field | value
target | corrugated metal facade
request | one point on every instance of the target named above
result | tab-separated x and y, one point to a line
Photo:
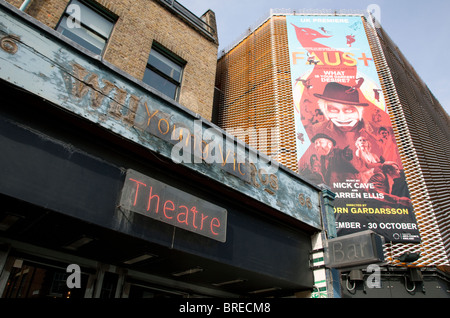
256	104
256	98
422	129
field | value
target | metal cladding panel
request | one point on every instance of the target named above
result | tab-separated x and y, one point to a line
57	176
257	243
419	123
422	132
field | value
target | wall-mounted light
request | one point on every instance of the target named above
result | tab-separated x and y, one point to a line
188	272
265	290
355	276
75	245
415	276
409	257
230	282
8	221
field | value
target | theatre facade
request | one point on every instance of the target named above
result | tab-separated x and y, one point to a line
133	194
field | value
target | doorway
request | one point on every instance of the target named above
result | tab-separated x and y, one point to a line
29	279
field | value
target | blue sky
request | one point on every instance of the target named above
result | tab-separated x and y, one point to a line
419	28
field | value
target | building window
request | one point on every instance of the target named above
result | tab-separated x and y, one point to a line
87	25
164	71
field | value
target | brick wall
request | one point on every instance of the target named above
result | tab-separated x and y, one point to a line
140	23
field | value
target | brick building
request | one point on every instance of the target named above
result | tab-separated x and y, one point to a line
129	36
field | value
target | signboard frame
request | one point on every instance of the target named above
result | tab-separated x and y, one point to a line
353	250
157	200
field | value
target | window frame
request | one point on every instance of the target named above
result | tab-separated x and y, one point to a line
97	9
172	57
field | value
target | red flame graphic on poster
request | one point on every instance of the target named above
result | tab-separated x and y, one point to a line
344	134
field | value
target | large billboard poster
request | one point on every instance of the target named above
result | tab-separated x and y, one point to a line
344	134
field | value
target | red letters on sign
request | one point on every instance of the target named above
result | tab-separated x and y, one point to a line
173	210
138	183
150	198
166	207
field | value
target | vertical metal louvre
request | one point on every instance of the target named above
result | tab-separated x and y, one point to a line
254	78
422	130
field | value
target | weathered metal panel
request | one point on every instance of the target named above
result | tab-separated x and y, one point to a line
48	173
363	248
41	61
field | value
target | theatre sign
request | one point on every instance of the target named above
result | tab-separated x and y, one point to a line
159	201
85	85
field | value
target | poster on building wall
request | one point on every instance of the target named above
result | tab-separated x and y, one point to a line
344	134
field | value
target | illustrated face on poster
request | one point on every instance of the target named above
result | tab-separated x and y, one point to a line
344	134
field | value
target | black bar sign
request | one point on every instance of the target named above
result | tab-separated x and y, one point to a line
147	196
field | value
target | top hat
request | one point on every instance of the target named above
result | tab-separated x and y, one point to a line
338	93
321	135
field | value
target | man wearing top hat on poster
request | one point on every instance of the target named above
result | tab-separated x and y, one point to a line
344	123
